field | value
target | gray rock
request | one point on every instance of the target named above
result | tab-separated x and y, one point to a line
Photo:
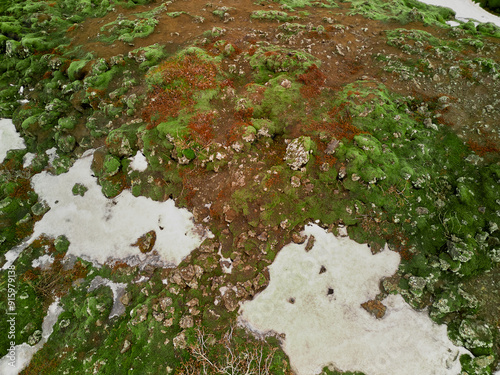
297	152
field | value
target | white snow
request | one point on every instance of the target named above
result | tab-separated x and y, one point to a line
9	138
42	261
466	10
28	159
101	229
321	315
139	162
25	352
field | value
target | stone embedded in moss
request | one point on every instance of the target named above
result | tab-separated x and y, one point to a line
122	142
297	152
76	70
68	123
66	143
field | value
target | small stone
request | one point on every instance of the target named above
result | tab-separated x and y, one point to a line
298	238
374	307
342	172
179	341
146	242
187	273
310	243
286	84
168	322
126	346
297	152
158	316
230	215
295	181
186	321
262	237
165	302
125	299
422	211
230	300
332	146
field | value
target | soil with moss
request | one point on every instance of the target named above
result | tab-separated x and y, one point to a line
258	117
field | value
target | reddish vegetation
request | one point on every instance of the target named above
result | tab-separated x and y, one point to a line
95	97
180	78
313	80
244	114
201	126
341	125
488	147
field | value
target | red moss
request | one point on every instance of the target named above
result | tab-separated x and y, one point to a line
313	80
200	128
181	78
244	114
481	149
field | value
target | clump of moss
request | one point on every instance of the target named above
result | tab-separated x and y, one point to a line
402	11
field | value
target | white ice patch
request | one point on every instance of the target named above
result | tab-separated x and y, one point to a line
28	159
139	162
43	262
25	352
466	10
101	229
9	138
315	298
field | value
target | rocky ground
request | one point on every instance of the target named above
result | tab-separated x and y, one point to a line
373	119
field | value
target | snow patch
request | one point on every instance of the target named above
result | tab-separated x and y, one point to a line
9	138
28	159
466	10
101	229
25	352
315	298
43	261
139	162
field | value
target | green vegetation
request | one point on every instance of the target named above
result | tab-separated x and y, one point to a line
257	137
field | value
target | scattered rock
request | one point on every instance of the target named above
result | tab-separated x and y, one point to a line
286	84
310	242
179	341
125	299
187	273
332	146
374	307
146	242
297	152
186	321
262	237
298	238
126	346
230	300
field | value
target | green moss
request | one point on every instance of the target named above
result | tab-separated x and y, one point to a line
75	70
127	30
402	11
272	15
270	61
